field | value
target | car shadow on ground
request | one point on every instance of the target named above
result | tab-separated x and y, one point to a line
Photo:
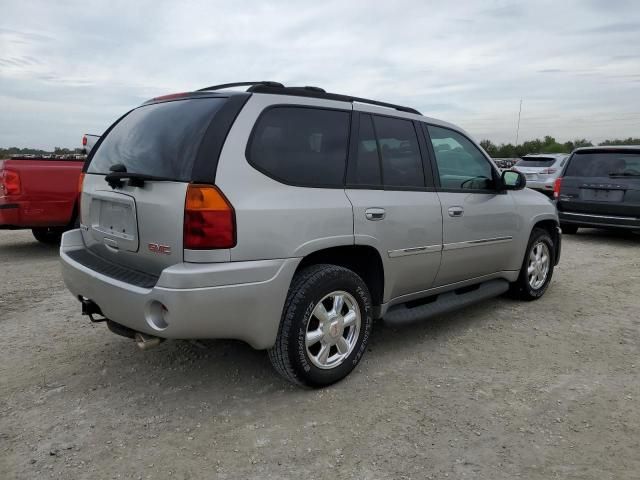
612	237
20	249
213	366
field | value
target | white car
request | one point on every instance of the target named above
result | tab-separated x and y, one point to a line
88	142
541	170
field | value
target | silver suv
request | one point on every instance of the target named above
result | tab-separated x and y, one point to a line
291	218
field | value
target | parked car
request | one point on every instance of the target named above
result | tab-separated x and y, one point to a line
41	195
541	170
600	187
290	218
88	142
505	163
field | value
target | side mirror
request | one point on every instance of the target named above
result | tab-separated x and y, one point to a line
512	180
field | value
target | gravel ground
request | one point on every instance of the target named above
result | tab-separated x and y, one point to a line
503	389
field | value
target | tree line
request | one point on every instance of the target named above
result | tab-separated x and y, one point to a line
7	152
547	145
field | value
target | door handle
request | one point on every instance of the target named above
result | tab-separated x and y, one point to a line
456	211
374	214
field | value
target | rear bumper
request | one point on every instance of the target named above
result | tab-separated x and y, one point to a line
237	300
21	213
599	220
542	185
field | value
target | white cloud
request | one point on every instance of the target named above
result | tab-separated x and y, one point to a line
71	68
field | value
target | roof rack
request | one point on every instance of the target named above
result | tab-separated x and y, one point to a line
316	92
277	88
241	84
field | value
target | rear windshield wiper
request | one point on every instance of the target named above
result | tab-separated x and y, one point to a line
624	174
119	173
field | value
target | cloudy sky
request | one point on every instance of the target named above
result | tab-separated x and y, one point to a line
67	68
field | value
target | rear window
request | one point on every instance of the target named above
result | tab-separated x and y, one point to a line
301	145
604	164
160	139
535	162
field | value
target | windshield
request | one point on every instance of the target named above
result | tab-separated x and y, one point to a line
161	139
535	162
604	164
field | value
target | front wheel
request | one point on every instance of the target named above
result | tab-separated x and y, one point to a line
325	327
537	267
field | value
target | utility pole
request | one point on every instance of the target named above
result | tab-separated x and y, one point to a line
518	129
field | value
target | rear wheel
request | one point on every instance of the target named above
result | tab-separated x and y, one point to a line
569	229
48	235
325	326
537	267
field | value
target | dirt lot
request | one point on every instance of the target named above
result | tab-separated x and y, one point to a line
543	390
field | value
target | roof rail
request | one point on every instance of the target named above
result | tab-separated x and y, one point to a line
316	92
241	84
277	88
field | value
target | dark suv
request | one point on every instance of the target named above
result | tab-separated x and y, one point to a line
600	187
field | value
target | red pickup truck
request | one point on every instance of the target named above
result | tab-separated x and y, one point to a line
40	194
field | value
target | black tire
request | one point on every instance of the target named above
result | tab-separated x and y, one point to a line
521	288
48	235
289	355
569	229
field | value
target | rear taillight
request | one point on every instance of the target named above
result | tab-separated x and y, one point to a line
209	219
547	171
84	141
556	187
80	182
10	183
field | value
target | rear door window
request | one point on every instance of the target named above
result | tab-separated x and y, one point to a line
301	145
386	155
364	169
399	152
604	164
159	139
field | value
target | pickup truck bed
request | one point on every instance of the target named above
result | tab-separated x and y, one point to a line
39	194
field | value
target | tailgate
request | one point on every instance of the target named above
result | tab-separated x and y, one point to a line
138	227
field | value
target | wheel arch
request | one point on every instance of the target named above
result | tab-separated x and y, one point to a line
364	260
552	226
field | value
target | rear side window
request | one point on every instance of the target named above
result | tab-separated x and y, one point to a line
604	164
301	146
160	139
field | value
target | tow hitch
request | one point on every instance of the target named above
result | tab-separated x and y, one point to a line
143	340
90	308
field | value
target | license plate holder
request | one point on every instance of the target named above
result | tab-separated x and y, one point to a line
116	219
601	195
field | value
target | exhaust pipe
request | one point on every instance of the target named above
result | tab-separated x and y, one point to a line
146	342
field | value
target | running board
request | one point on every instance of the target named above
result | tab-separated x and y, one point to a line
445	302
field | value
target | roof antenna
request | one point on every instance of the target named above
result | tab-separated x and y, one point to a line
518	129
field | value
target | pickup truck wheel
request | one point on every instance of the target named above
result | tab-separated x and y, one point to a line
537	267
48	235
325	327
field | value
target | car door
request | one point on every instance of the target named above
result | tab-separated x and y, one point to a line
479	221
395	206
